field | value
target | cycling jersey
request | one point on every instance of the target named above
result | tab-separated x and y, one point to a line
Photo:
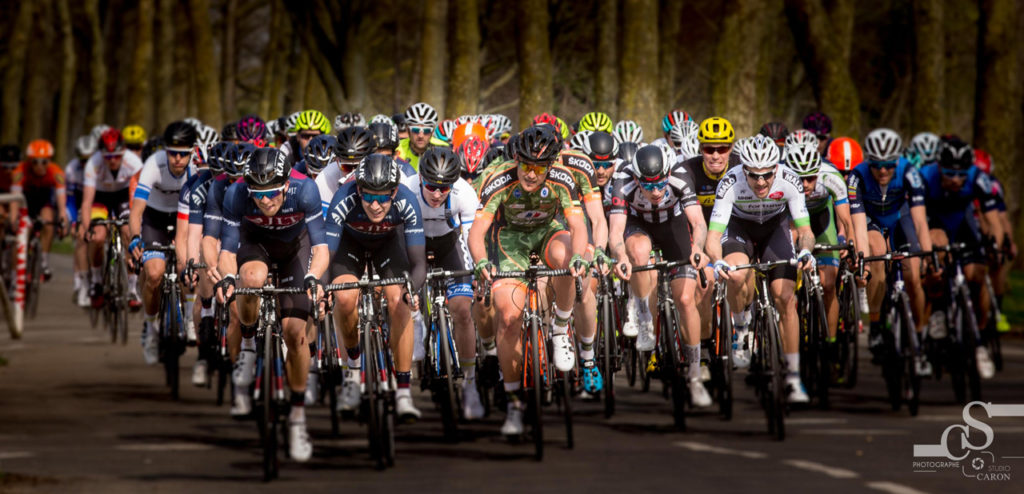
301	212
73	186
192	200
97	174
829	186
213	216
405	152
949	209
582	168
736	198
329	181
347	218
446	229
504	197
158	186
705	183
628	196
885	205
999	194
40	191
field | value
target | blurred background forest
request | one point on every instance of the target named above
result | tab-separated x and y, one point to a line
946	66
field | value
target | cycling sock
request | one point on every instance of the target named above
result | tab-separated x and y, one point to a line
248	331
249	343
190	304
793	363
831	339
643	305
133	280
298	398
692	353
46	259
352	364
207	307
298	412
403	379
79	277
353	353
587	348
96	274
741	319
490	348
511	388
560	324
468	369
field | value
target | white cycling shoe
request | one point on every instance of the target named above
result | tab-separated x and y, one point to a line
741	350
986	368
645	338
150	344
564	355
312	390
472	408
629	326
404	408
349	395
699	396
199	373
243	403
300	448
245	368
513	425
797	393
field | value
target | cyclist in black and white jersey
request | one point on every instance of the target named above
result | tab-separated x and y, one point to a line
74	174
448	205
653	203
153	219
753	208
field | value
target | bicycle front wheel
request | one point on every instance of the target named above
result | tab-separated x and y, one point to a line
775	367
536	370
449	402
268	419
721	368
608	356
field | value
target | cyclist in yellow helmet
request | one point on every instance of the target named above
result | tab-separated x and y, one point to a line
597	121
134	137
309	124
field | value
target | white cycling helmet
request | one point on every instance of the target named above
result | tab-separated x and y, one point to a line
759	152
801	136
927	145
502	124
678	133
628	131
690	146
97	131
883	145
421	114
381	118
803	158
290	122
195	122
85	145
206	137
579	140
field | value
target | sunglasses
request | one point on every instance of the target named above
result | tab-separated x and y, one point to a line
883	165
436	187
379	198
809	178
951	173
178	153
40	161
716	149
305	136
113	156
653	186
134	147
536	168
421	130
266	194
757	177
604	164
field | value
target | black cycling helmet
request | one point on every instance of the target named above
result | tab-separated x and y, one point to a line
627	150
956	154
180	134
320	153
385	135
399	119
217	154
510	147
538	144
235	161
10	153
494	152
776	130
600	146
440	165
651	163
267	167
355	143
229	132
152	145
377	172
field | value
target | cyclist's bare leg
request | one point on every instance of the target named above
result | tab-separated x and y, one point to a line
294	331
401	328
703	300
689	319
912	278
876	285
557	254
828	276
252	274
585	321
741	289
975	274
46	234
509	298
785	303
462	320
234	333
345	315
153	272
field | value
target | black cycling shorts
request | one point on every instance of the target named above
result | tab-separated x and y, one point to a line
37	199
117	203
672	237
157	229
901	235
389	257
762	242
288	260
450	253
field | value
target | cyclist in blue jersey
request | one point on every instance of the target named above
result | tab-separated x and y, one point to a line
886	196
274	220
952	185
376	218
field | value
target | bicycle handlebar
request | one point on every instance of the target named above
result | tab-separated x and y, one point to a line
269	290
765	266
440	273
365	283
667	265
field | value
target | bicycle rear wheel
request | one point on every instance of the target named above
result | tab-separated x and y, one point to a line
823	364
911	380
608	356
849	327
171	341
969	345
721	367
33	280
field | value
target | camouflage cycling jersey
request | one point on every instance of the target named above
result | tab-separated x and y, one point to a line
582	168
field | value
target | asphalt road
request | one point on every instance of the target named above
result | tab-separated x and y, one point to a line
78	414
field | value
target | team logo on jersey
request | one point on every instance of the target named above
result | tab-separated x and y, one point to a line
560	175
775	196
497	184
706	200
724	185
517	193
531	215
580	163
914	178
544	192
793	179
279	221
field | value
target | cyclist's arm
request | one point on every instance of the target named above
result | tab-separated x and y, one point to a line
720	215
920	218
85	213
181	249
616	241
915	197
698	228
595	211
477	234
319	253
135	216
62	205
846	222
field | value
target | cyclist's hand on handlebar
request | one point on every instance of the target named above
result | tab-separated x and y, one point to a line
578	266
135	247
225	288
723	269
484	270
602	261
624	270
805	260
413	301
314	289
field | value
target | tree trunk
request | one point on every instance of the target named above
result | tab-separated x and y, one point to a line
534	53
207	84
433	53
606	66
670	17
139	110
39	84
638	77
823	56
315	93
14	78
464	80
97	69
929	67
229	59
168	95
735	71
300	76
997	120
270	57
321	47
841	14
67	81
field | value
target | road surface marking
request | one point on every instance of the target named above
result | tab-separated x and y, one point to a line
814	421
707	448
893	488
839	473
10	455
853	432
165	447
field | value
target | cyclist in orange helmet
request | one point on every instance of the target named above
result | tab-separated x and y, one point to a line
41	181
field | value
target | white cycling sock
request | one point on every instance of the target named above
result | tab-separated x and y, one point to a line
249	344
96	274
468	370
793	363
560	325
587	348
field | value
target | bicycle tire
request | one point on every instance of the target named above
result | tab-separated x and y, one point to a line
536	371
722	365
607	344
122	307
565	383
32	290
777	375
269	417
449	400
991	334
169	339
110	304
850	322
955	357
911	380
643	359
823	363
371	377
892	365
331	373
969	346
672	367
